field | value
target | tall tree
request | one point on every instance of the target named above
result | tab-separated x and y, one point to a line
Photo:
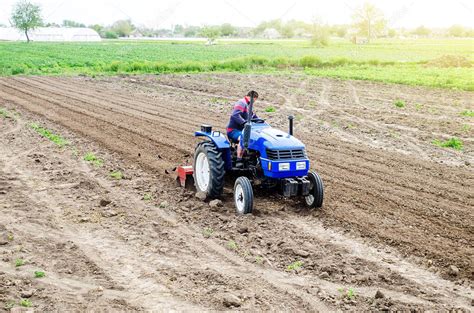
227	30
211	33
421	31
26	16
369	20
456	31
123	28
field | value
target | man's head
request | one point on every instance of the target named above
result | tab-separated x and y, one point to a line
254	93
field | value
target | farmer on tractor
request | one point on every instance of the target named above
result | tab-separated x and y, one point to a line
237	121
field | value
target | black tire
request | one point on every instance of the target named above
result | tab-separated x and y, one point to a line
316	192
243	196
216	169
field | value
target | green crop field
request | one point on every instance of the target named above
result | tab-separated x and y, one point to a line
426	62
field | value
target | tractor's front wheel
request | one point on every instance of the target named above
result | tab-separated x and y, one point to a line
208	169
243	195
316	192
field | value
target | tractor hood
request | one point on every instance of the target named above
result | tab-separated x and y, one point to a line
265	137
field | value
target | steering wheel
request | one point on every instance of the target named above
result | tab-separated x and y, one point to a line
258	120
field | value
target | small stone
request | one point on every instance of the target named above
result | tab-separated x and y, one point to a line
324	275
84	219
104	202
27	293
379	295
215	203
164	204
453	270
231	300
350	271
201	195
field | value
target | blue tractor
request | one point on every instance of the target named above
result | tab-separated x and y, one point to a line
273	159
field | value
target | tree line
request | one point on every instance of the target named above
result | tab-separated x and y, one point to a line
368	22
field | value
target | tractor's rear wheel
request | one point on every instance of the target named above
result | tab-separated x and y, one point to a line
243	195
316	192
208	169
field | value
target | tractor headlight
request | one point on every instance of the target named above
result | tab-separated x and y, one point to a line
300	165
284	166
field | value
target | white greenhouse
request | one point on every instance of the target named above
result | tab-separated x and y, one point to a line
50	34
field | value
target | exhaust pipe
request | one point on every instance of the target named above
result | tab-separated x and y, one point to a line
290	124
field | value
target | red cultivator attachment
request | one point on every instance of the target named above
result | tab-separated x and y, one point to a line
185	176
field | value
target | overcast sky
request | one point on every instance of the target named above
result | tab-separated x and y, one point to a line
166	13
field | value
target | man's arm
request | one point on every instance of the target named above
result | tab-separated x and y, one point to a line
237	115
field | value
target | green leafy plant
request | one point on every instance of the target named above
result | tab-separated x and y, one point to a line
57	139
93	159
10	237
270	109
232	245
466	128
147	197
469	113
19	262
418	106
207	232
294	266
454	143
117	175
310	61
258	260
39	274
218	100
9	304
347	293
4	113
26	303
399	103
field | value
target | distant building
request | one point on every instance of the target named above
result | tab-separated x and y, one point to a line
51	34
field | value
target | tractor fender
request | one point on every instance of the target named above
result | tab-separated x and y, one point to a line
222	144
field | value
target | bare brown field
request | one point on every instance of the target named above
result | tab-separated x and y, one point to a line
397	218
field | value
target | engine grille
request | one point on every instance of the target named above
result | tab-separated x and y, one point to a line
286	154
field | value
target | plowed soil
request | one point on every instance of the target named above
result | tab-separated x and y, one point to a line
396	231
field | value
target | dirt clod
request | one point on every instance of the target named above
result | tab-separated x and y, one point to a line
379	295
243	229
201	195
324	275
104	202
216	203
231	300
27	293
302	253
109	213
453	270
